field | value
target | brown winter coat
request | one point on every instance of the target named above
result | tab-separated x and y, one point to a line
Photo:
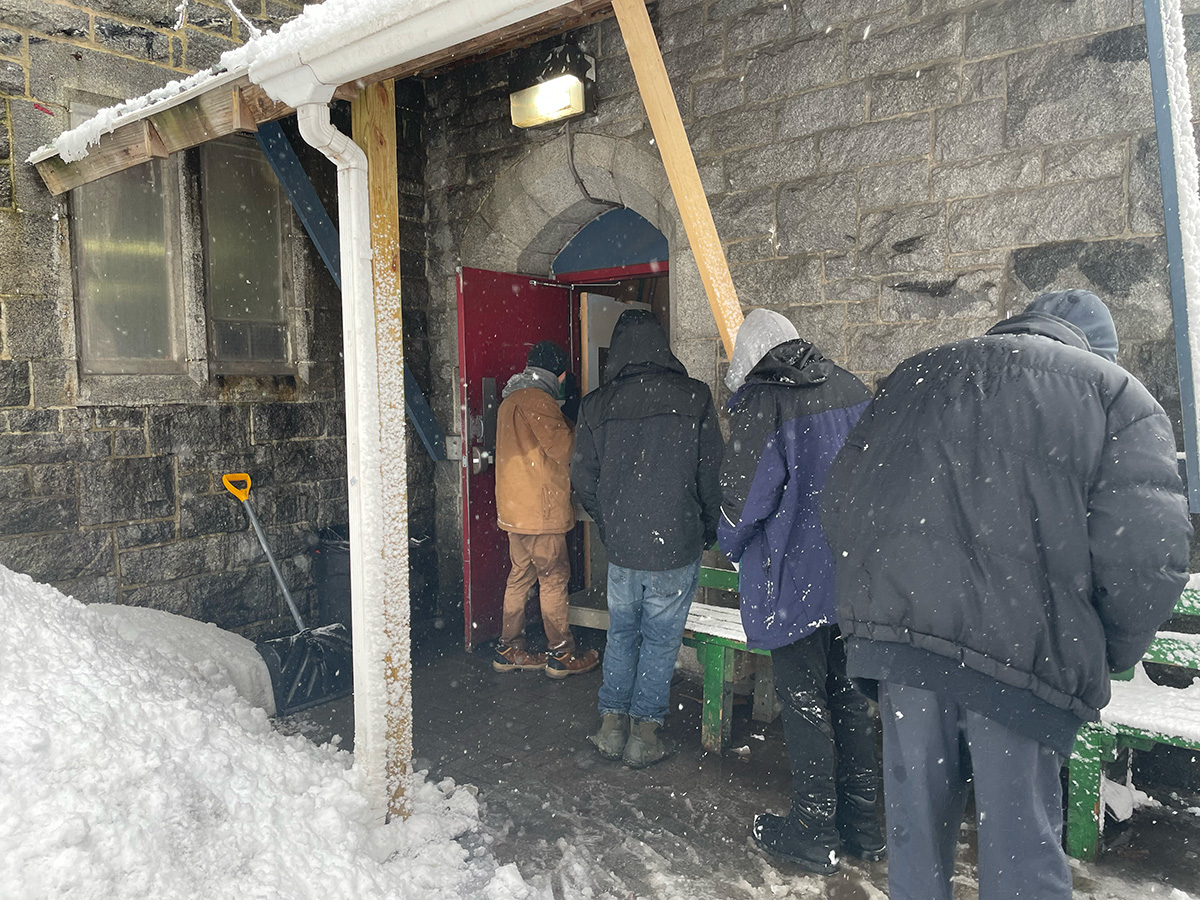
533	452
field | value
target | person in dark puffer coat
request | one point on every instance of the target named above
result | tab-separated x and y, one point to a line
1008	526
647	469
789	416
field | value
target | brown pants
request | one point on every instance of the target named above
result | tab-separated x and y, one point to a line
541	558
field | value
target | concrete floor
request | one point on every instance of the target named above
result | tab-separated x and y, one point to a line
587	828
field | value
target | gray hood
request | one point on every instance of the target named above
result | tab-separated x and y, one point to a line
533	377
761	330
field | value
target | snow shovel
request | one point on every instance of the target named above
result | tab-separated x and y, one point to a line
309	667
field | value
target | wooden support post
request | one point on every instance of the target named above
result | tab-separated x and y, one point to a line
659	100
373	114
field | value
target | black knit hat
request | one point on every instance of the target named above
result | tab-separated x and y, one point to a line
549	356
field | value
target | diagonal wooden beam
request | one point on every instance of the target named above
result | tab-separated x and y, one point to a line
672	140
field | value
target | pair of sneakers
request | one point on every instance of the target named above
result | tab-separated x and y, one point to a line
555	665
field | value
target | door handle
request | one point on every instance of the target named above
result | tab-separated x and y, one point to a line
481	460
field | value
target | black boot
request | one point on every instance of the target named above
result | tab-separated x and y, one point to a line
796	839
858	825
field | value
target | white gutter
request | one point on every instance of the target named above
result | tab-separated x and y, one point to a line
327	46
364	450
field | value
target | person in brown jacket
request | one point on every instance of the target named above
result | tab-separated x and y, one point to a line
533	504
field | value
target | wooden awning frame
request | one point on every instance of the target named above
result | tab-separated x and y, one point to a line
231	103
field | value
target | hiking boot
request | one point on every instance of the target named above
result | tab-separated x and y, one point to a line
514	659
644	747
858	825
560	665
610	739
795	840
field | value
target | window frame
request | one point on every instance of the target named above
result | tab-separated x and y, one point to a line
217	366
196	376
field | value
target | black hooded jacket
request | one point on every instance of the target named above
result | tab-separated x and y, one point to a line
1010	506
648	448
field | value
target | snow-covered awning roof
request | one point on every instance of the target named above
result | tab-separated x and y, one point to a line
330	50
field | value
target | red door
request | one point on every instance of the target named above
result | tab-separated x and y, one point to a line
500	317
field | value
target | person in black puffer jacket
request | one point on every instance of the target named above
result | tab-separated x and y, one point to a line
647	469
1008	526
789	416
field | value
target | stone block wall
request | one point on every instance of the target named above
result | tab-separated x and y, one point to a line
120	500
889	174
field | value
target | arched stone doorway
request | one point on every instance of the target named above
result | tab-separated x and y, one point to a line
536	207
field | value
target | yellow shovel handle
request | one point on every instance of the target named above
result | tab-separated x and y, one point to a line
242	493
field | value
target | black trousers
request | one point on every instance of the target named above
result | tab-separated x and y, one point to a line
827	724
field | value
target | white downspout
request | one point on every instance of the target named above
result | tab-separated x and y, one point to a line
364	452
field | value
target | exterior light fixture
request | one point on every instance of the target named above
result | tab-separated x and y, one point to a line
550	86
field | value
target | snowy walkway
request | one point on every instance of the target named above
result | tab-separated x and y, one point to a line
579	827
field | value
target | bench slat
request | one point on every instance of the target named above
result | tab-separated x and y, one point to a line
1172	648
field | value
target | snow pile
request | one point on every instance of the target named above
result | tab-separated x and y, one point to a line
124	773
220	656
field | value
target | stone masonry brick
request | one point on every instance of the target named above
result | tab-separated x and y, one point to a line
1093	209
14	383
913	91
743	214
810	63
743	128
12	78
31	449
905	47
57	557
995	174
33	420
44	18
882	187
121	490
835	107
286	421
1020	23
1079	89
755	27
14	483
973	295
817	214
874	143
34	516
712	97
974	129
54	480
12	43
133	40
817	15
1145	187
204	49
779	283
760	166
902	239
1094	159
983	79
880	348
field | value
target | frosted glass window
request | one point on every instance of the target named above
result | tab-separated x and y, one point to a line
243	243
124	243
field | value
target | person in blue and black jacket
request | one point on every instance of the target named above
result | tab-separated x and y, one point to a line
790	413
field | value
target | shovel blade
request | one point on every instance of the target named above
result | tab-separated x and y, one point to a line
310	667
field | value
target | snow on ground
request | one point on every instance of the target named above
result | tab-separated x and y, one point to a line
126	771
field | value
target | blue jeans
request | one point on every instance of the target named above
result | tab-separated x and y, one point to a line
646	615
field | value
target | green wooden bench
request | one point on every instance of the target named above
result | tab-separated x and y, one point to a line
717	635
1140	715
